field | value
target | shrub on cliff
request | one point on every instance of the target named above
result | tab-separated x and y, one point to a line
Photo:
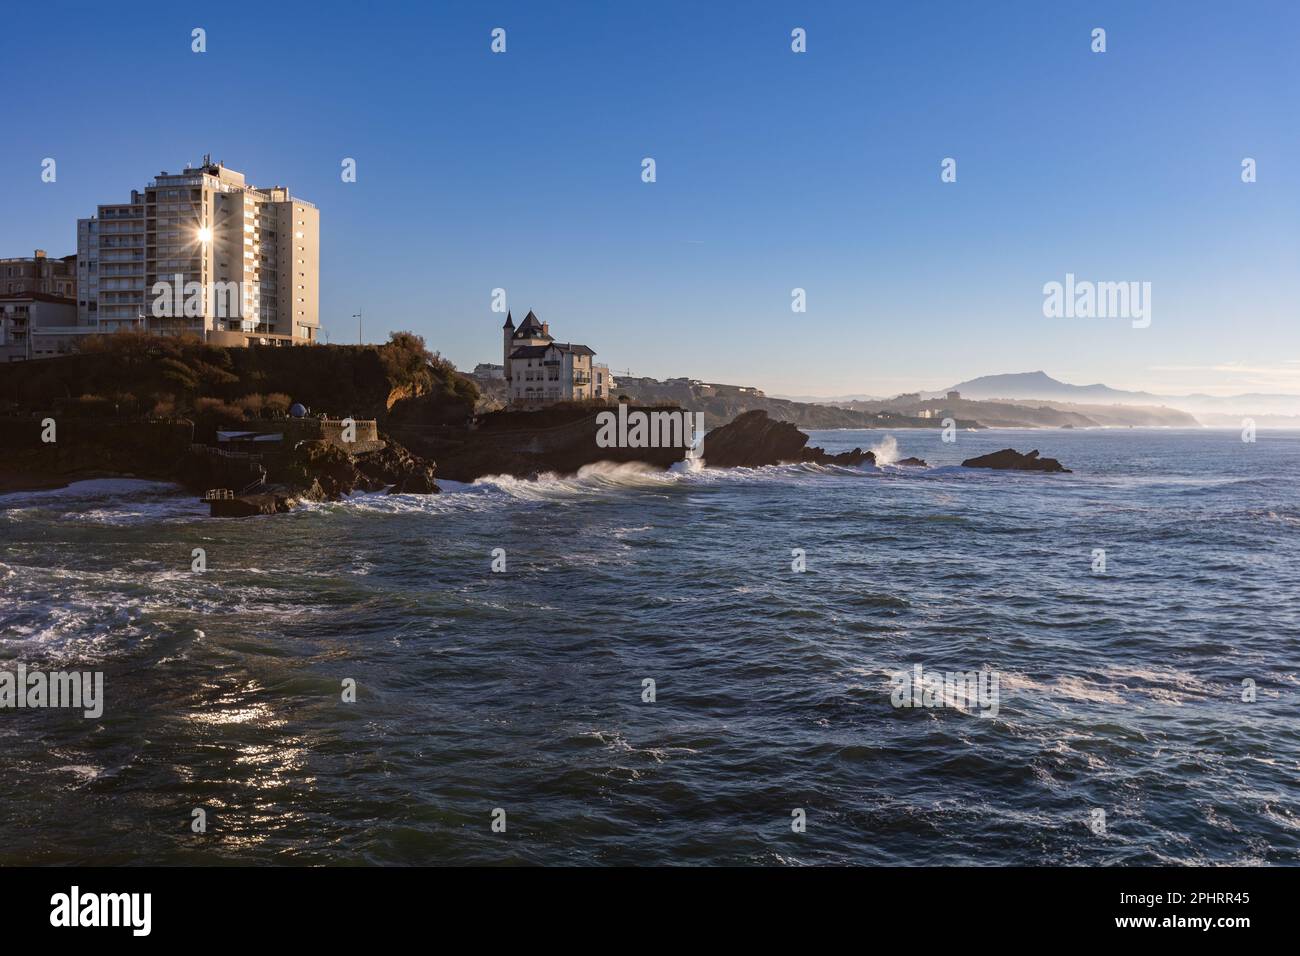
177	373
410	365
86	406
276	404
251	404
213	412
406	361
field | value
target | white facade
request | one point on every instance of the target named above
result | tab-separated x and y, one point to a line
206	229
540	371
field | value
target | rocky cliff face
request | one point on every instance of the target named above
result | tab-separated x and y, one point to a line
752	440
89	448
319	471
523	444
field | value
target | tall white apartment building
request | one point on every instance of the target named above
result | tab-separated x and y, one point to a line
203	252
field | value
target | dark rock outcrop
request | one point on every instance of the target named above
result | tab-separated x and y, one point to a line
323	472
320	471
752	440
913	462
559	439
393	465
1009	458
850	458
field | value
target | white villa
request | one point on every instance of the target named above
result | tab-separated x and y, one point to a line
541	371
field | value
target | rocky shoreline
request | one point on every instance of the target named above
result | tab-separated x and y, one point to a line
238	484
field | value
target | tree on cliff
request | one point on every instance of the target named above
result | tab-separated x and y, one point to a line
410	365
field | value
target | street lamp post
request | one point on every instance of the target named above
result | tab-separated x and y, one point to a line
358	318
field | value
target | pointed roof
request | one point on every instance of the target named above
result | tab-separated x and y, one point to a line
530	328
530	323
510	322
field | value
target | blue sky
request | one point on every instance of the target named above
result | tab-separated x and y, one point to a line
775	170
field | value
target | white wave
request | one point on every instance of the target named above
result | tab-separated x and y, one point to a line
1115	685
886	450
95	488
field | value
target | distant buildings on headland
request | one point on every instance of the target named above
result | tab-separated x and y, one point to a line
36	292
198	252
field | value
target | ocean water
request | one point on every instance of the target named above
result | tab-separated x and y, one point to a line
1118	692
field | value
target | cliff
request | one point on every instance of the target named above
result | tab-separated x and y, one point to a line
134	375
150	407
559	439
164	450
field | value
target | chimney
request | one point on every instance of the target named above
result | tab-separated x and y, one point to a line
546	328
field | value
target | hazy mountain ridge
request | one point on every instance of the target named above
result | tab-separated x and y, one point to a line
1041	386
1015	400
1097	402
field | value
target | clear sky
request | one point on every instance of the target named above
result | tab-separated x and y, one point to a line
775	170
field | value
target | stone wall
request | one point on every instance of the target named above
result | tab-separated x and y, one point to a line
329	430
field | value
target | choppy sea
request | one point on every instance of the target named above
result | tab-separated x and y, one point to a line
1162	691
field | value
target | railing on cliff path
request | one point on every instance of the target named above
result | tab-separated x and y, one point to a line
212	452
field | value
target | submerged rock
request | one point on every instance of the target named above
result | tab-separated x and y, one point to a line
913	462
416	484
1009	458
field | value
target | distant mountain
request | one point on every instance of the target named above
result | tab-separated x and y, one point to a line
831	399
1040	385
